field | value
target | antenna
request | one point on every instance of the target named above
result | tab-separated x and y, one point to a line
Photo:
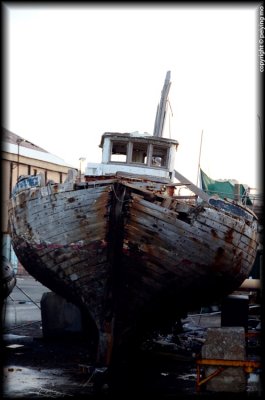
199	163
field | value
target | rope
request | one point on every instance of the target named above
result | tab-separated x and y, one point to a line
117	198
14	327
36	304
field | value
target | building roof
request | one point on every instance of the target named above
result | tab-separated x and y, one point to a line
10	142
10	137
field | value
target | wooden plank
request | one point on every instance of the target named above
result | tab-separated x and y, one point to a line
234	238
161	261
182	228
96	232
199	251
73	202
227	220
63	203
70	215
211	213
69	265
202	222
205	241
26	197
50	243
199	192
71	221
181	248
177	247
219	230
49	214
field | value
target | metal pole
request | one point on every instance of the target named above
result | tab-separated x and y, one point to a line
81	159
199	163
18	144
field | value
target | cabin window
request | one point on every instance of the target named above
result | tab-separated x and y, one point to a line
118	152
159	156
139	153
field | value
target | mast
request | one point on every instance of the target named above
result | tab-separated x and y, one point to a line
161	108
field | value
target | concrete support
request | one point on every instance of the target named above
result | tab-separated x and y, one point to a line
226	343
59	317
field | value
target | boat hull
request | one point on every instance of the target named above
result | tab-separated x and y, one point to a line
8	278
131	256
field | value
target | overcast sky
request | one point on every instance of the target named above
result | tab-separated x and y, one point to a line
75	72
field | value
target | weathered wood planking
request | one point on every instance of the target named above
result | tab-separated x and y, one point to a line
197	263
62	212
209	214
229	259
59	202
89	211
176	247
173	232
218	230
38	203
173	238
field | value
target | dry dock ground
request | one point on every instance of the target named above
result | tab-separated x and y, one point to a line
37	367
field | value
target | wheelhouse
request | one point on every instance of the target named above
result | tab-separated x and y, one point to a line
135	153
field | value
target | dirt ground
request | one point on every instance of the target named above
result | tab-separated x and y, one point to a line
36	367
39	367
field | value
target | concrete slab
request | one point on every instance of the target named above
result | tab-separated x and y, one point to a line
227	343
59	317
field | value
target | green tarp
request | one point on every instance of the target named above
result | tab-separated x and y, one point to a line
223	189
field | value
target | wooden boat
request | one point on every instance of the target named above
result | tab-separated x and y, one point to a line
126	245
